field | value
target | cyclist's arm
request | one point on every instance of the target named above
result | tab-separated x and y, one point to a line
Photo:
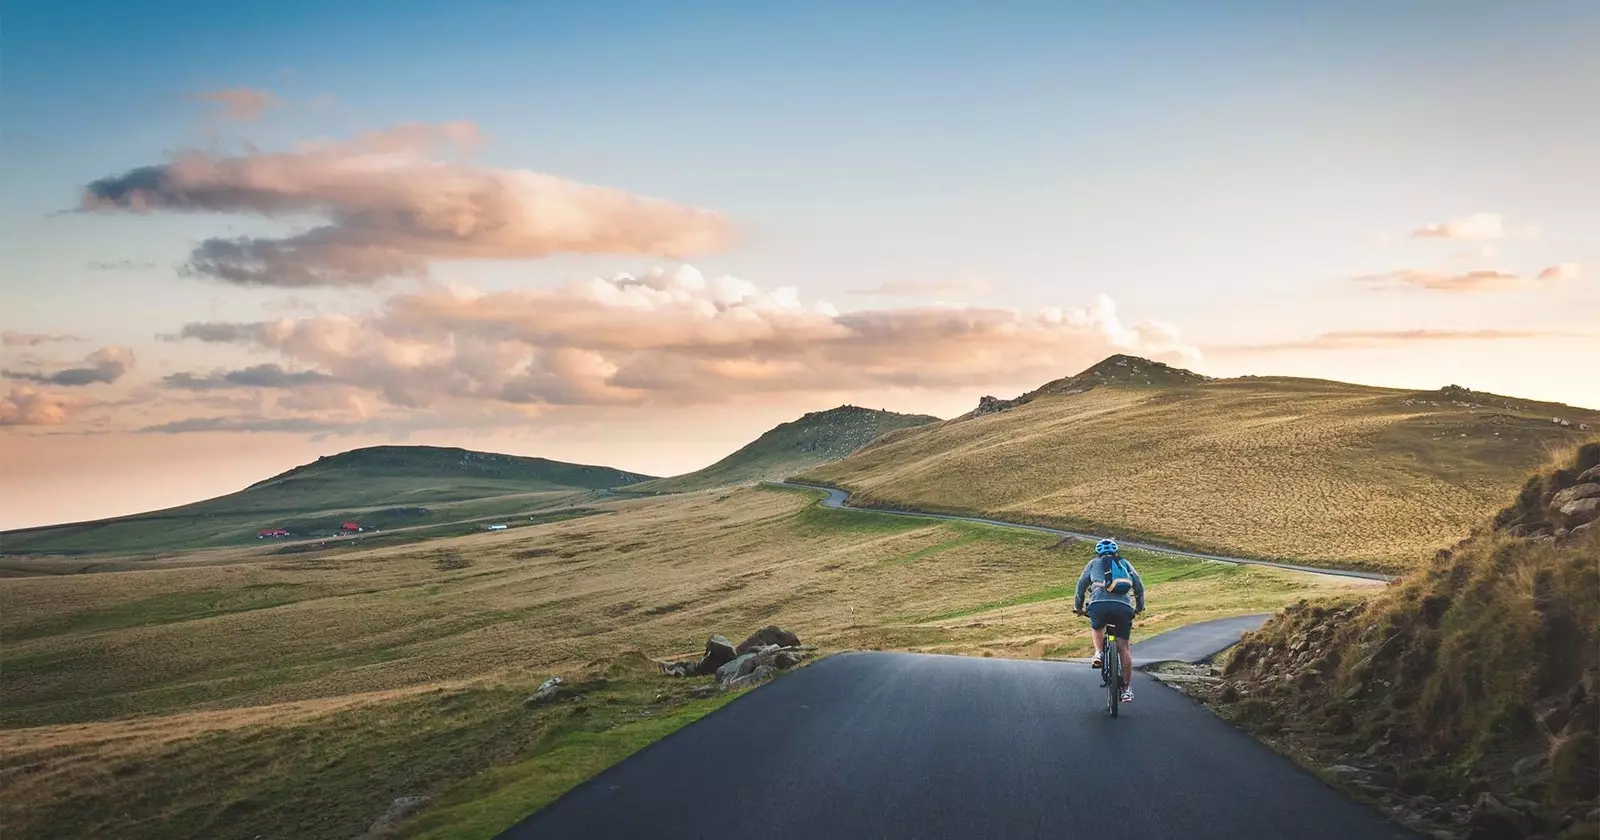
1083	585
1138	588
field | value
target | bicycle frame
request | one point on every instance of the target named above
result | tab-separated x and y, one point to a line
1111	671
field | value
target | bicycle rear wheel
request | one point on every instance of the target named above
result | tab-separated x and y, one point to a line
1113	675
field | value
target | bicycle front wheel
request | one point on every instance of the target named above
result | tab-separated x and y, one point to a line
1113	675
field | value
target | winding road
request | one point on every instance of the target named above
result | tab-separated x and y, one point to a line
899	745
840	500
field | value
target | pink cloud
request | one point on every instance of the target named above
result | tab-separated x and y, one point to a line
102	367
1378	339
12	338
25	406
241	104
393	207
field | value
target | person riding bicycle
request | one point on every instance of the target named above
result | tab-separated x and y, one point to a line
1110	604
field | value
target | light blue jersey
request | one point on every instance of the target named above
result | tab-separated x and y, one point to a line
1093	581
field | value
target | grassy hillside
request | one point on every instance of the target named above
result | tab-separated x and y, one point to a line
383	487
1477	675
1273	467
296	695
817	438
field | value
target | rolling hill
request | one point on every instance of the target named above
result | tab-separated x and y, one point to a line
380	486
1275	467
817	438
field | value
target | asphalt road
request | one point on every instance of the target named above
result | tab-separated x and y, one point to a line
1193	642
840	499
890	745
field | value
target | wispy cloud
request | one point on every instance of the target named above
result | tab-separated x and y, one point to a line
103	366
121	265
1475	226
12	338
258	376
393	206
1477	280
1379	339
678	337
241	104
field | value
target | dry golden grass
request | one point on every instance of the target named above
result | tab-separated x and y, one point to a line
189	672
1279	468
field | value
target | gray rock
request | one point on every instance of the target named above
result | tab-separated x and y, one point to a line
787	659
1583	510
1590	474
737	668
1495	818
769	635
719	652
1345	772
1574	493
760	674
1531	771
398	810
701	692
546	692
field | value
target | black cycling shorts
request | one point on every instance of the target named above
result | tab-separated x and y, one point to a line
1114	614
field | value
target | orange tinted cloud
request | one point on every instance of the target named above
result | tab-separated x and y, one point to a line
393	206
12	338
1371	339
1475	226
1477	280
242	104
679	338
25	406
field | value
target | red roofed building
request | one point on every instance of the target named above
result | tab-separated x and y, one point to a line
273	532
350	526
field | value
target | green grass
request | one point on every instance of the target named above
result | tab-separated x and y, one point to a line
384	487
162	609
817	438
488	803
1154	569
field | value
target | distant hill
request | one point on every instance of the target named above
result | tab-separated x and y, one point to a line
380	486
1269	466
817	438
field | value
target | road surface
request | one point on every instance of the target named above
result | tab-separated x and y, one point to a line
891	745
839	499
1193	642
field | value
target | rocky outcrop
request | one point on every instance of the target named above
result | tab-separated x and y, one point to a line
765	652
546	692
769	635
398	810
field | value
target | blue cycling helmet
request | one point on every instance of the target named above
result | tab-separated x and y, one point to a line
1104	547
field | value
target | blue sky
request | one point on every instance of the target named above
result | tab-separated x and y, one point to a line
1225	167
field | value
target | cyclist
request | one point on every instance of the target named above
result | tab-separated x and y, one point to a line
1109	608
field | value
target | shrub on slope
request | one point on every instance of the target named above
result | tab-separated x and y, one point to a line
1467	695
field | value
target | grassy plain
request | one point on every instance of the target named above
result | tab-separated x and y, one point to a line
1316	471
296	695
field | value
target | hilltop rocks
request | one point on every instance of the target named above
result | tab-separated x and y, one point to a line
769	635
1576	492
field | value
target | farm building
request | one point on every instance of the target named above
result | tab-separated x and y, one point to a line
350	526
272	532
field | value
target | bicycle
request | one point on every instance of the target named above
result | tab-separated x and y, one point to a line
1110	668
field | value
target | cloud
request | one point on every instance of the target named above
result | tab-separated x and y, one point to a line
678	337
297	425
12	338
393	206
241	104
1381	339
1477	280
1475	226
1559	271
121	265
910	289
25	406
103	366
258	376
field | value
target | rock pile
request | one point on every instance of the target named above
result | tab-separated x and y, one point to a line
765	652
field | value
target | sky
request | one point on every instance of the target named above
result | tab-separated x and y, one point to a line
240	236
